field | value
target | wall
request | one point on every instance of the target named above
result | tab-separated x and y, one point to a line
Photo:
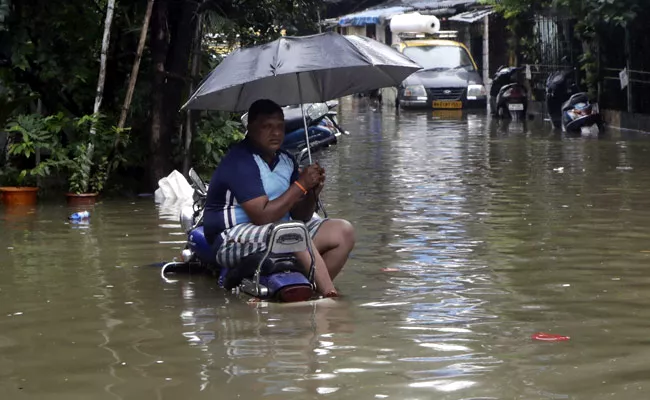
629	121
498	43
356	30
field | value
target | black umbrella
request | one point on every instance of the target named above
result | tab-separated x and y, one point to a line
297	70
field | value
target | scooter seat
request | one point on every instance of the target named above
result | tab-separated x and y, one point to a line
293	119
575	99
287	264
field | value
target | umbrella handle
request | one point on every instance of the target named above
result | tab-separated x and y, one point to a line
304	119
319	204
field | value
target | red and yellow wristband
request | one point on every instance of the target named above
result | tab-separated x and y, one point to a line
301	187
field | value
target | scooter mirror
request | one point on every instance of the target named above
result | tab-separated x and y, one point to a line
198	182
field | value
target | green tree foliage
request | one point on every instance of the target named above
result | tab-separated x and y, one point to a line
593	19
598	18
50	50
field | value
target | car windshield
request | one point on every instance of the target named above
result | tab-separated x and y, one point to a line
439	57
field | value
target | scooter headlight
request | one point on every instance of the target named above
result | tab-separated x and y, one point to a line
187	219
474	92
415	91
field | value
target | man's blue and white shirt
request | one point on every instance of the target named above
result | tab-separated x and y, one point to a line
241	176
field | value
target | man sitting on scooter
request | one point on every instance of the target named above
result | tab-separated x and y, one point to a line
258	184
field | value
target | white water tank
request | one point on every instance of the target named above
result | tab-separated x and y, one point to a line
414	23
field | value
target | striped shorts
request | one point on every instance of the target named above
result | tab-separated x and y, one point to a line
245	239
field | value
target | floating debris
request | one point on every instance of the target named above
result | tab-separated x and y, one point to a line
549	337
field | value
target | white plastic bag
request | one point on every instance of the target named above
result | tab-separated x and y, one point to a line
173	187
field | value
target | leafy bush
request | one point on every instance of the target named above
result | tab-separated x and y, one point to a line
88	158
28	134
216	132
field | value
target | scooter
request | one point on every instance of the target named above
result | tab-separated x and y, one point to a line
273	275
508	97
322	123
570	109
581	115
560	86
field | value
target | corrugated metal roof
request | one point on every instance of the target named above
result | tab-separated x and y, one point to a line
472	16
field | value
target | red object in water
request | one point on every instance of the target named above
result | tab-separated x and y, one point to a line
390	270
548	337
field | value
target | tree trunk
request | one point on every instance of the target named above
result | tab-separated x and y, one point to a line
100	83
136	65
173	28
191	115
159	46
102	65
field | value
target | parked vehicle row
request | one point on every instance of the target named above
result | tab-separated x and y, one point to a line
568	108
449	79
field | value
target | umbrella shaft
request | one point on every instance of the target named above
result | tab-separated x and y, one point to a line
304	119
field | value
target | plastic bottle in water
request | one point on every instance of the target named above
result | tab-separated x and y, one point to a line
79	216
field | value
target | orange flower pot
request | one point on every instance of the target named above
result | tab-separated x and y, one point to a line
19	196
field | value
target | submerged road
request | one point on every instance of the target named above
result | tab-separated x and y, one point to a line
473	235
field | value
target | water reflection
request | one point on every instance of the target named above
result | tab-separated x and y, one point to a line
267	349
489	231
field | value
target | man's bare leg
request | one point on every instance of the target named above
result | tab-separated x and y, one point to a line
335	240
322	278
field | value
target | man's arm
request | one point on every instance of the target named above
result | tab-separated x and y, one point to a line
305	209
263	211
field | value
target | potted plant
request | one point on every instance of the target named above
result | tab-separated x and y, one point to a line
92	153
27	135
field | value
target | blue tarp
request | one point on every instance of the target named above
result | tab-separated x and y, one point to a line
370	17
395	7
427	4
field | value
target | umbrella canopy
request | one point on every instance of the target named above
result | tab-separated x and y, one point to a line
295	70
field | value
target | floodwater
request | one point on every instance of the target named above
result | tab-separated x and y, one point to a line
472	236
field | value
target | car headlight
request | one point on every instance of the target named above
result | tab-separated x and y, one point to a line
475	91
415	91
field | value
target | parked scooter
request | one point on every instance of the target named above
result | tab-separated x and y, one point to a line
560	86
580	115
508	97
322	124
570	109
274	275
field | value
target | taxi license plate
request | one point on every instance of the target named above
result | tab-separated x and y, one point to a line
448	114
447	104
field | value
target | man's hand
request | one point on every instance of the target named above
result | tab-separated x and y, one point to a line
310	177
321	183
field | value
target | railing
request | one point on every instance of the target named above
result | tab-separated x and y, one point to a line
635	98
539	75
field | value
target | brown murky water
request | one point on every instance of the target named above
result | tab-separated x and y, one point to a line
496	232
